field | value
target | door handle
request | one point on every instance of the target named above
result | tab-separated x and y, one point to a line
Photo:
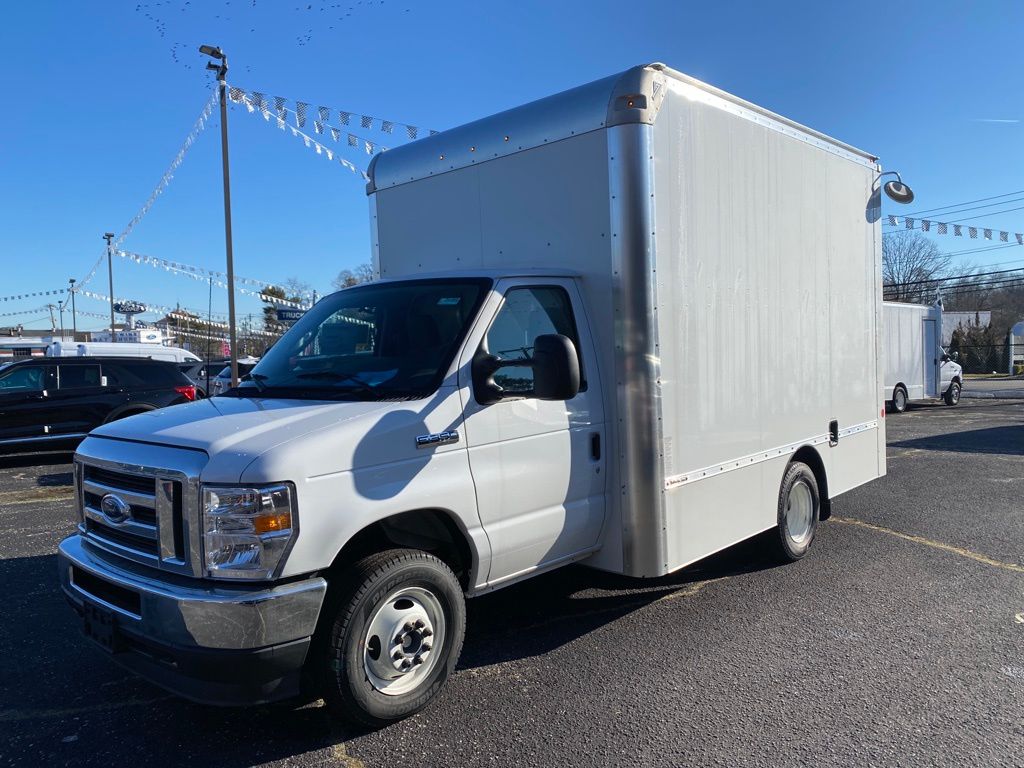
595	446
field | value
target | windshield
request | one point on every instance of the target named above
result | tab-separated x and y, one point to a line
372	342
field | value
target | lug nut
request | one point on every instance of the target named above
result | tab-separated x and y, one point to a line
418	660
406	664
409	626
425	646
398	639
420	624
396	655
427	632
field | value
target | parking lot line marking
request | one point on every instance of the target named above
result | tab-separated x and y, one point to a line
934	544
16	715
342	756
43	493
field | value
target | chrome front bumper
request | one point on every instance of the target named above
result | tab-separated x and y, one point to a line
217	643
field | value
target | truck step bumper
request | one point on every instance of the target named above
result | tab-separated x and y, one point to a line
217	644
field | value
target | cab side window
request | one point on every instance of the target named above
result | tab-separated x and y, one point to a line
27	378
527	313
79	376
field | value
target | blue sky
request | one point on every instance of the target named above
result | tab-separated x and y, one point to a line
99	97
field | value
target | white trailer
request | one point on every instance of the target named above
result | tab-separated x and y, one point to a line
916	366
631	324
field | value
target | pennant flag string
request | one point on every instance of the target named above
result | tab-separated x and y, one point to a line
33	294
944	227
257	101
24	311
196	273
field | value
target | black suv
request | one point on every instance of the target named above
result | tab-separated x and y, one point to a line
55	401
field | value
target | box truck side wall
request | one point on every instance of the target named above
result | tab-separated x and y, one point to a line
768	305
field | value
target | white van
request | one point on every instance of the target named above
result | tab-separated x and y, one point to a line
916	367
629	325
126	349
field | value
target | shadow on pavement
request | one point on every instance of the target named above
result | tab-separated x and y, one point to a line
35	460
56	479
1007	440
68	702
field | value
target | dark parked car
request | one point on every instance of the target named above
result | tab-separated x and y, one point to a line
55	401
196	373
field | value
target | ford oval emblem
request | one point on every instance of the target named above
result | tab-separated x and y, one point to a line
114	508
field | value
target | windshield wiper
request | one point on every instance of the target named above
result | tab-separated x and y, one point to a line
257	379
335	376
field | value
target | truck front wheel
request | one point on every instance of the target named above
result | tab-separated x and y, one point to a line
395	636
799	510
952	395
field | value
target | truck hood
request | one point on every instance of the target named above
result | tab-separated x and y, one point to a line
236	424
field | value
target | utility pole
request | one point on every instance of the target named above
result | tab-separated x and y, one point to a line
221	69
53	323
74	315
109	236
60	308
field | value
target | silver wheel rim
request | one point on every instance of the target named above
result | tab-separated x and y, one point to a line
403	641
954	394
799	512
901	400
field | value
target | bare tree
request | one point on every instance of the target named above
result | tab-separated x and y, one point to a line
297	289
361	273
908	259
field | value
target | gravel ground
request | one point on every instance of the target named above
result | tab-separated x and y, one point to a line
899	640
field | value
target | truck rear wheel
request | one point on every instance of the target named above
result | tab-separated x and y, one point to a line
395	636
799	510
899	399
952	395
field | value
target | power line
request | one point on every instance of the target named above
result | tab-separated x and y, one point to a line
959	277
973	208
966	202
964	287
990	213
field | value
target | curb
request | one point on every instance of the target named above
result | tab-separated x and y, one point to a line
996	394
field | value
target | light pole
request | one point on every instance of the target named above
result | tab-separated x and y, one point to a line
74	319
221	69
109	236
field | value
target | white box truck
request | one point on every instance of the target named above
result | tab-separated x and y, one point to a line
916	366
631	325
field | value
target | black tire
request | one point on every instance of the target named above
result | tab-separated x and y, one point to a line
952	395
899	399
791	545
362	593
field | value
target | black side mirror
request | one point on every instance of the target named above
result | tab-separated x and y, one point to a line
556	368
945	358
556	371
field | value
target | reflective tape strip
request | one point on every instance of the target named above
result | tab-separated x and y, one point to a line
756	458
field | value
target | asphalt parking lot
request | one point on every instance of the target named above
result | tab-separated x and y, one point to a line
898	641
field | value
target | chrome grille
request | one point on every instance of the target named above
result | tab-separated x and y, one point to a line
156	528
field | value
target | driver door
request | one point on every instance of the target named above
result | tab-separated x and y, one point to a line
538	466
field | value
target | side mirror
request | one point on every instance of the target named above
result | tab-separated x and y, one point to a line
556	368
945	358
556	371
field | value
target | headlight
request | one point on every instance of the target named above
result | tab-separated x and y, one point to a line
246	531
